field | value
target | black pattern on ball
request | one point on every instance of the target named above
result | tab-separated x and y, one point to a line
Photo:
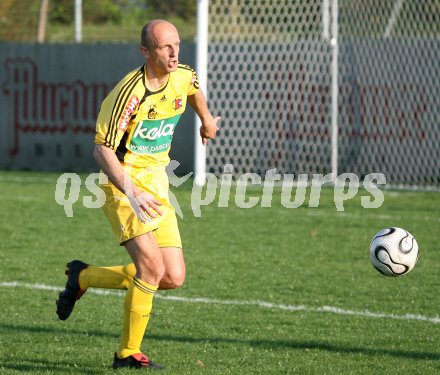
376	254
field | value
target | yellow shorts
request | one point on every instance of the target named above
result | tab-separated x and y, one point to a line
125	223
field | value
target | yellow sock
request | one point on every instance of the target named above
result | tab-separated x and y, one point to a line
137	307
119	277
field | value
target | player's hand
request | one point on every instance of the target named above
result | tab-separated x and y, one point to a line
209	129
145	206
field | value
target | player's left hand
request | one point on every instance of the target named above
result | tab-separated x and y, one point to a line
145	206
209	129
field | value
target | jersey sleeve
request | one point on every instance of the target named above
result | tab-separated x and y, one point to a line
117	110
194	84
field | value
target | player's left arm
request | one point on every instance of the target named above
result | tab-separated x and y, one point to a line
209	126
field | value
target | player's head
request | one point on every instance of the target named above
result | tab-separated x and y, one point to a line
160	45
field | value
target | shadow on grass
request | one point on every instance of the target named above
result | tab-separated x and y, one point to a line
31	364
67	331
304	345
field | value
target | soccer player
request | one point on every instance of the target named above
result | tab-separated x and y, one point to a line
134	130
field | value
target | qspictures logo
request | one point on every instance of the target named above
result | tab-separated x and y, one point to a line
48	107
228	189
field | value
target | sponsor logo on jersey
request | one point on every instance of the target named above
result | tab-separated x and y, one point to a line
177	103
163	99
152	113
153	136
126	114
153	132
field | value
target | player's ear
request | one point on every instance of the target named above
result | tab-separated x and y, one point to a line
144	52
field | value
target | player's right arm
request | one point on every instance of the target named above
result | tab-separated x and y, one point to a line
114	116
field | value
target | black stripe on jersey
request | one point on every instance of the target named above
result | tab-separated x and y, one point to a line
121	102
187	67
121	150
119	106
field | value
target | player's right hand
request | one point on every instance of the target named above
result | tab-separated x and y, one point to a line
145	206
209	129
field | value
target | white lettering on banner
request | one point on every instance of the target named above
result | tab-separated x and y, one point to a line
154	133
48	107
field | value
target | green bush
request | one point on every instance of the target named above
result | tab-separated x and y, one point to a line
97	11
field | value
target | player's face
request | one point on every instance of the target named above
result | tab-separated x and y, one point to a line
164	57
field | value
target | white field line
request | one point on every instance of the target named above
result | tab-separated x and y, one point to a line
260	304
365	215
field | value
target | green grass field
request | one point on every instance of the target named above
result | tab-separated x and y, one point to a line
268	291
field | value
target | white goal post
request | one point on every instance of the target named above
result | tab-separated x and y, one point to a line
202	72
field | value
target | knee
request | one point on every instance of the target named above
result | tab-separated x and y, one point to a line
172	280
177	281
151	272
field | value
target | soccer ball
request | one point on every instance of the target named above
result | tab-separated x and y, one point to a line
394	252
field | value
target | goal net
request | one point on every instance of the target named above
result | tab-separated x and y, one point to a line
326	86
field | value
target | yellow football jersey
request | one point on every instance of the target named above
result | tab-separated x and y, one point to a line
138	124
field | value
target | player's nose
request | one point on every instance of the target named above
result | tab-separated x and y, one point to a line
174	51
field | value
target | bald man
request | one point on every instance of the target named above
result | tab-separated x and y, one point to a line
134	130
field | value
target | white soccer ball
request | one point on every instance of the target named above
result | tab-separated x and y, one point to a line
394	252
